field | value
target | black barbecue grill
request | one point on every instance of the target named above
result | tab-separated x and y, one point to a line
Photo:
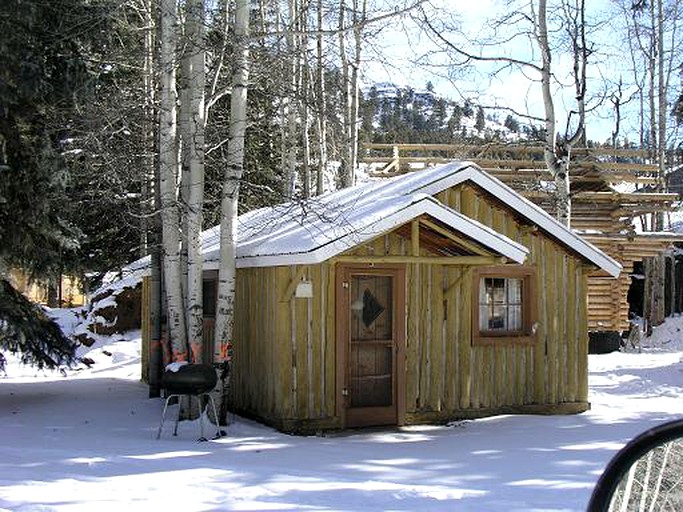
190	380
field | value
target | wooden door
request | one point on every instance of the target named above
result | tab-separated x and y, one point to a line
372	345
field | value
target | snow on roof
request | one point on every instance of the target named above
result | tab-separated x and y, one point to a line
308	232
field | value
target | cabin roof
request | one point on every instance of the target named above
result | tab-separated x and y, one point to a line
310	232
306	232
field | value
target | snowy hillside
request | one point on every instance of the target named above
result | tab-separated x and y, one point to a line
407	114
86	442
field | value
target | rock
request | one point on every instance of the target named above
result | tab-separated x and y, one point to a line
116	311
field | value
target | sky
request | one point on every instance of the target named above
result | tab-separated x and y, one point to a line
403	42
87	442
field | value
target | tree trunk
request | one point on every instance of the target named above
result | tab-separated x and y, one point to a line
292	101
321	123
554	164
651	66
661	93
194	144
147	178
305	94
168	174
305	136
150	194
346	157
225	305
359	14
184	145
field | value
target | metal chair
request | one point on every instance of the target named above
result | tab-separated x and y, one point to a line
190	380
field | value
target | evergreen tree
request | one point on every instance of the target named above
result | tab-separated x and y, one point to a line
511	124
42	79
26	330
480	122
42	74
468	109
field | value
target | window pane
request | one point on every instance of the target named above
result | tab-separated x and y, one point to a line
497	319
499	291
500	304
514	291
483	317
483	291
515	318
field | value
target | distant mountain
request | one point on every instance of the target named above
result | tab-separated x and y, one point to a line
392	113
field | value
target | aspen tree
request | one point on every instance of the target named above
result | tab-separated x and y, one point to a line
168	178
225	304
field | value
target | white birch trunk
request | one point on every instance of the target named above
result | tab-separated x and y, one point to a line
652	71
150	194
321	123
292	103
555	166
195	159
359	21
305	136
346	156
282	100
168	177
661	93
304	82
148	126
184	154
225	304
662	471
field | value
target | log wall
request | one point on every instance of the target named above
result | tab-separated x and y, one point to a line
608	298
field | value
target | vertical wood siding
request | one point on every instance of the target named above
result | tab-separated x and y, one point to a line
284	346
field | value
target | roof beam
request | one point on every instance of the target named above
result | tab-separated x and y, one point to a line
455	238
429	260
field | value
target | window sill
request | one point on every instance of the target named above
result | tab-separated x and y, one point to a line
505	339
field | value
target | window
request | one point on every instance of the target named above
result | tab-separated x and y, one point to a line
504	305
209	297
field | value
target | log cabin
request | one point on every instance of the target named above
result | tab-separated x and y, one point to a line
427	297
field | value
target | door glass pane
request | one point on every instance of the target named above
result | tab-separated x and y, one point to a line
371	345
371	311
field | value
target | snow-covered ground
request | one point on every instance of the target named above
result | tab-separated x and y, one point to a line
87	442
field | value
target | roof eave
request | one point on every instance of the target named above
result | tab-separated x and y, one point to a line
425	205
529	210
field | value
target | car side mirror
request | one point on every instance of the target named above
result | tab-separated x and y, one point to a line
647	474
